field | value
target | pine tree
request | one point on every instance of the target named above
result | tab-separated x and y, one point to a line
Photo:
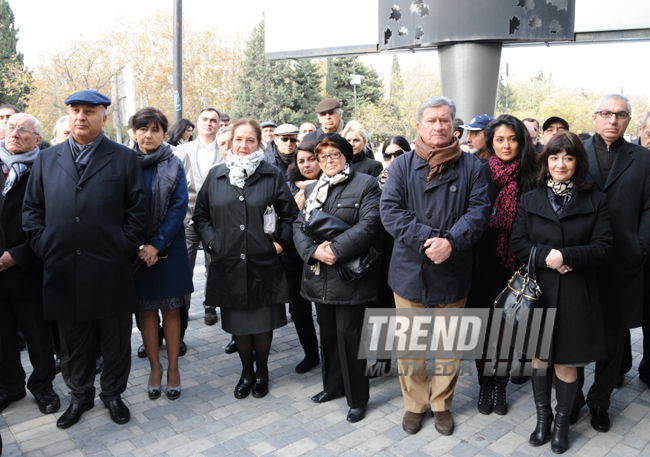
370	90
396	82
306	82
16	81
330	84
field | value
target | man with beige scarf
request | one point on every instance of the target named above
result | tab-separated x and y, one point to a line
435	205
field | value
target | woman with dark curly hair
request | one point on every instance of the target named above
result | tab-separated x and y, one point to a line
511	170
567	221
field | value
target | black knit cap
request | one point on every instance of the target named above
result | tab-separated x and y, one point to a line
344	146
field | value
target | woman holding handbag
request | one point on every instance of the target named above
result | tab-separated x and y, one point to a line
567	221
350	200
510	170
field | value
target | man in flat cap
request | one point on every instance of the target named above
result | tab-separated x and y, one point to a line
552	126
268	129
282	148
330	116
85	213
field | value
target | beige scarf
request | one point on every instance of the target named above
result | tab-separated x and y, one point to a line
438	158
300	196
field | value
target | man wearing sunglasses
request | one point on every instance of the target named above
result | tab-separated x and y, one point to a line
330	116
281	150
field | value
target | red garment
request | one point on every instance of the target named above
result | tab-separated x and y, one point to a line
503	216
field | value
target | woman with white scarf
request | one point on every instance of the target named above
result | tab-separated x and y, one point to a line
245	277
354	199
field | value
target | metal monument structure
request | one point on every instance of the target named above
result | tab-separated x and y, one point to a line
468	34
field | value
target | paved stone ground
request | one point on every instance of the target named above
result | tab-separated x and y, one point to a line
209	421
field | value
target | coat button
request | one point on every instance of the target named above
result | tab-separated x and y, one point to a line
453	189
241	227
242	256
454	216
425	266
356	204
76	219
338	205
78	187
241	198
78	252
428	215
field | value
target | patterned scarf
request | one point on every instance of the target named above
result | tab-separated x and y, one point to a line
504	213
319	195
15	165
563	190
241	168
438	158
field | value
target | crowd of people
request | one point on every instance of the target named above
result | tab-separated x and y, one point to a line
94	232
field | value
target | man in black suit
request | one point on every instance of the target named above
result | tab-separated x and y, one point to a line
21	277
85	213
622	171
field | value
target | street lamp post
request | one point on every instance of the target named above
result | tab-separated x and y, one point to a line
356	81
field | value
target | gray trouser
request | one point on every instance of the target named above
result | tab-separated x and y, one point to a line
193	241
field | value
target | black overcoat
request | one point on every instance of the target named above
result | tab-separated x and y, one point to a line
86	230
628	194
583	235
355	201
245	271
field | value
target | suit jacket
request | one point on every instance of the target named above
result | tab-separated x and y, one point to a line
86	230
628	195
187	153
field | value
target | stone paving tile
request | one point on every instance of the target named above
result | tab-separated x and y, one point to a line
209	421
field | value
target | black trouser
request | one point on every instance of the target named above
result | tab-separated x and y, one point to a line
78	341
340	337
299	308
27	315
182	312
606	370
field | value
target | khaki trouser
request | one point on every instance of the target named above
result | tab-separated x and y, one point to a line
415	388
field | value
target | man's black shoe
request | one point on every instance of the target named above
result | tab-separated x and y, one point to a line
231	348
308	363
119	412
599	418
57	365
142	352
323	397
99	365
48	401
72	415
183	349
7	399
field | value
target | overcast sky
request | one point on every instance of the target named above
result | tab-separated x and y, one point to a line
47	24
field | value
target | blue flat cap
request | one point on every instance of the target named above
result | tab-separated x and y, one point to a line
268	124
88	97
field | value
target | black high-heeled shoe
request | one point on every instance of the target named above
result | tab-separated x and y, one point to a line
173	393
155	392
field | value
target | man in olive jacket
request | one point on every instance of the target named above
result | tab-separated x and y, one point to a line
435	204
85	213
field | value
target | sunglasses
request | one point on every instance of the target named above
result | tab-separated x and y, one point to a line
392	155
284	139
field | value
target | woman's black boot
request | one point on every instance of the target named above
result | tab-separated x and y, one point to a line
542	395
565	393
485	394
499	401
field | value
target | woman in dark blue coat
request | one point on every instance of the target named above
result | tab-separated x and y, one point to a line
567	221
163	273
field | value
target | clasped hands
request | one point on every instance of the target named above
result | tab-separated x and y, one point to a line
324	253
6	261
148	254
555	261
437	249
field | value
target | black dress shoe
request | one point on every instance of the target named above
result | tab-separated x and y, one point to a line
119	412
57	365
599	418
243	388
261	388
323	397
231	348
356	414
72	415
142	352
308	363
7	399
99	365
183	349
48	401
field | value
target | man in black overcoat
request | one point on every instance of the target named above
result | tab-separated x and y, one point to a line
21	277
85	213
622	171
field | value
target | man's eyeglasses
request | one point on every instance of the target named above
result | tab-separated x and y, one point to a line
620	115
392	155
284	139
21	130
332	155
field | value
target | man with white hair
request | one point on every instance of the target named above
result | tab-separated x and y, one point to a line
21	277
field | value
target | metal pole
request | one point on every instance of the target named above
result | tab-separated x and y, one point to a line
178	60
354	71
507	88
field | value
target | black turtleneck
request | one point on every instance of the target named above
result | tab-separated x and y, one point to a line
606	154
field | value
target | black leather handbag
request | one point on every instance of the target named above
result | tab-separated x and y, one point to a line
323	227
521	292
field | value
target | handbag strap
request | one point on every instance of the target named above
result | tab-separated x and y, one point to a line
532	259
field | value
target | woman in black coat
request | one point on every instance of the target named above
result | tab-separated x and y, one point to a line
568	223
245	275
353	198
510	171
